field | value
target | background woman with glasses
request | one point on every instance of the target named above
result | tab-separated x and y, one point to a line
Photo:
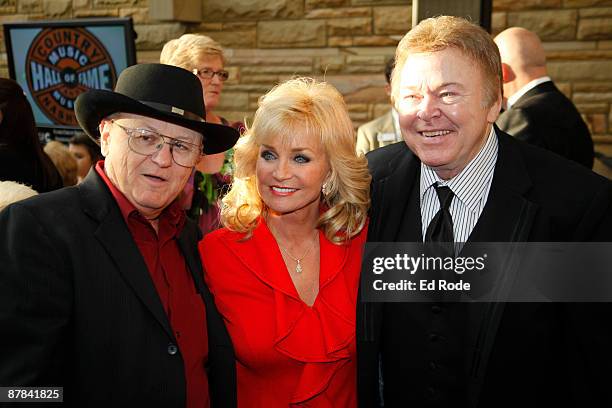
204	57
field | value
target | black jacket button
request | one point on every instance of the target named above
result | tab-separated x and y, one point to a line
172	349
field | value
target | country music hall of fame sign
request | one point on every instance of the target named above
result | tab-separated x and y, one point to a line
54	61
63	62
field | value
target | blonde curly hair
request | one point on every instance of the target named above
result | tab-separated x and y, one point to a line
187	51
318	109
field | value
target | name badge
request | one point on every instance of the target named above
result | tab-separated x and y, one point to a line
386	137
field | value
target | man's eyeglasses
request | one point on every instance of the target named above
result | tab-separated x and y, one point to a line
206	73
147	142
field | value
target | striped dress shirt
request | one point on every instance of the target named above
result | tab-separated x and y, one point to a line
470	187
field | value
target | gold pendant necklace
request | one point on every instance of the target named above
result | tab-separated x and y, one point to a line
298	261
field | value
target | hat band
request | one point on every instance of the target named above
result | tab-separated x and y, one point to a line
173	109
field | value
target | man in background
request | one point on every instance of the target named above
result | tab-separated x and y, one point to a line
383	130
536	111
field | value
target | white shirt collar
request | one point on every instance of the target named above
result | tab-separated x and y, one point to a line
472	182
526	88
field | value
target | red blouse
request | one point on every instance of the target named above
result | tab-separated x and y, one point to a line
287	352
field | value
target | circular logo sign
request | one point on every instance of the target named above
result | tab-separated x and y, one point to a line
61	64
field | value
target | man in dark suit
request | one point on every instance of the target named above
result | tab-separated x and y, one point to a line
536	111
101	285
459	178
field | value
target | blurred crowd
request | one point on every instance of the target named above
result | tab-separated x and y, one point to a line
27	167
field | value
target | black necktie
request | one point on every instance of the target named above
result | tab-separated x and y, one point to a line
440	228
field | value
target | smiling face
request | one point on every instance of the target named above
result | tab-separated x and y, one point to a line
441	109
212	87
152	182
290	174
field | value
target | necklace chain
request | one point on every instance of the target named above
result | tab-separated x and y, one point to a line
298	261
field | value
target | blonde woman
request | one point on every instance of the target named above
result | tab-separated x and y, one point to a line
285	269
204	57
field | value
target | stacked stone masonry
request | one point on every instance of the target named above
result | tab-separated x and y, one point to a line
347	42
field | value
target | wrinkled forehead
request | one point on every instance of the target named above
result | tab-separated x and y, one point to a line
211	61
439	68
159	126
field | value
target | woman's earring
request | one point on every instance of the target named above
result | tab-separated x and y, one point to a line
326	190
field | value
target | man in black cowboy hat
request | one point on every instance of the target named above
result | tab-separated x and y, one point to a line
101	286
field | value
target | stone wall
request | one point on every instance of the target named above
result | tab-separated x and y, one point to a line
577	36
348	41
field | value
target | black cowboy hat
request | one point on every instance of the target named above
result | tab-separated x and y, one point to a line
158	91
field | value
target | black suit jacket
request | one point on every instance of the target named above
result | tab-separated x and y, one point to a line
78	308
516	354
545	117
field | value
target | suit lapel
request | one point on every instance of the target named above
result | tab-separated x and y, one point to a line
507	217
391	195
114	236
187	241
544	87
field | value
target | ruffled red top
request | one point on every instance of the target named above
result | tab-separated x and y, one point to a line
288	354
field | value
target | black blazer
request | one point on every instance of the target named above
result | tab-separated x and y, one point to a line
78	308
517	354
545	117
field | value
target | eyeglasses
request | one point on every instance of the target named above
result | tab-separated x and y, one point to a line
147	142
206	73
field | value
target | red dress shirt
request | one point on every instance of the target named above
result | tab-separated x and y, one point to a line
288	354
174	283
